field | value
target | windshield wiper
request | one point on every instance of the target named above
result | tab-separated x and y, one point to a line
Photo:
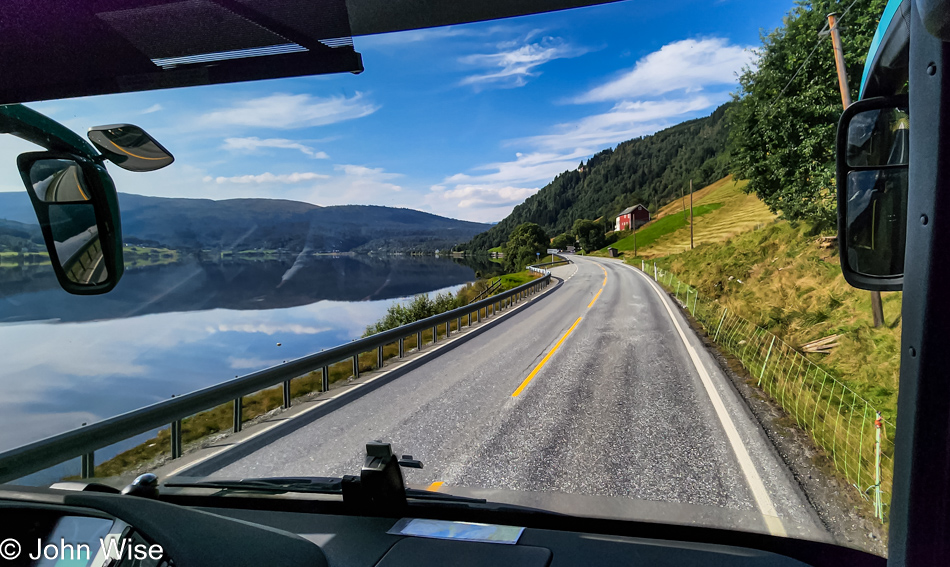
311	485
277	485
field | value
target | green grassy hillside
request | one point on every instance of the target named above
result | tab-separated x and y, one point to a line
782	279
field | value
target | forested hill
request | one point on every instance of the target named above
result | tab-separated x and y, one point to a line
651	170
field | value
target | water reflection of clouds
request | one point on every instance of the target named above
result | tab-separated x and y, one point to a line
294	329
56	376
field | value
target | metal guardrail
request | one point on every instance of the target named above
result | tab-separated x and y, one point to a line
83	442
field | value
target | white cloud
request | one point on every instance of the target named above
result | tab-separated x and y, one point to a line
267	177
689	64
624	121
514	62
154	108
676	72
363	172
491	196
254	143
287	111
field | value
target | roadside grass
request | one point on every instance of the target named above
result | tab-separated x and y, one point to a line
739	212
207	426
699	196
780	279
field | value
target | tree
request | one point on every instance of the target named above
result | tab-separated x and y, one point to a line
523	245
590	234
562	241
783	124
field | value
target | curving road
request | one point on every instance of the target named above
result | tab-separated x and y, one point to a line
595	398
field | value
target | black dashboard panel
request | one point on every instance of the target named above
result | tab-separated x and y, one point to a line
248	530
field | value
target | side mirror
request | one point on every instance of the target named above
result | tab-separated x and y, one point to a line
873	146
77	208
129	147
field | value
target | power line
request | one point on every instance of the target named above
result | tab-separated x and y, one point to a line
821	34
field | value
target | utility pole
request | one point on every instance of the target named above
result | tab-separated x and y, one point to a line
690	214
877	308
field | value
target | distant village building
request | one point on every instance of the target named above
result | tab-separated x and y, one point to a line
632	217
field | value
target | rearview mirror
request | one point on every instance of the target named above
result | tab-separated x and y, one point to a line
873	145
77	209
129	147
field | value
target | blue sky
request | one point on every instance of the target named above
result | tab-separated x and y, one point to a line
464	121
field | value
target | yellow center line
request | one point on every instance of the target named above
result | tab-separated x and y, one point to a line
544	360
595	299
434	487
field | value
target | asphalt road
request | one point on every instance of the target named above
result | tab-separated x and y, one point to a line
622	412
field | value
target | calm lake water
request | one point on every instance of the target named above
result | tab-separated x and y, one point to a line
168	330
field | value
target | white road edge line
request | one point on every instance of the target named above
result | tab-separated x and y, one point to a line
759	493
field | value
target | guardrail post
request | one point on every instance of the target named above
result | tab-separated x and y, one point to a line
87	465
419	341
325	385
238	414
435	332
478	315
176	439
379	357
286	394
356	366
448	329
458	325
470	319
402	347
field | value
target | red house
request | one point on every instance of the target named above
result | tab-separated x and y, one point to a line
632	217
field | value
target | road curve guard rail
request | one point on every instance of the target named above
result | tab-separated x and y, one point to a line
83	442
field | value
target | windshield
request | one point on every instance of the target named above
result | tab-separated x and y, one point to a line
617	220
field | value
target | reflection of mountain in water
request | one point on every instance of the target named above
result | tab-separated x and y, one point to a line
193	286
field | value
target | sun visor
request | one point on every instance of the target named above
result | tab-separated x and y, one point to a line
51	49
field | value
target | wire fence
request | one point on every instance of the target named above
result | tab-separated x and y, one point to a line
856	437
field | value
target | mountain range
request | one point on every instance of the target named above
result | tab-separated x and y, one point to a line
243	224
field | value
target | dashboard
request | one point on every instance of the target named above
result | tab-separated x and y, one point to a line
182	530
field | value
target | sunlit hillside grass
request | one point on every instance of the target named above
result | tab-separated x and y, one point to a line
720	210
739	212
779	278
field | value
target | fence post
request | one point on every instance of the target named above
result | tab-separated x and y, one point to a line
723	318
677	294
654	271
761	374
695	299
878	502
